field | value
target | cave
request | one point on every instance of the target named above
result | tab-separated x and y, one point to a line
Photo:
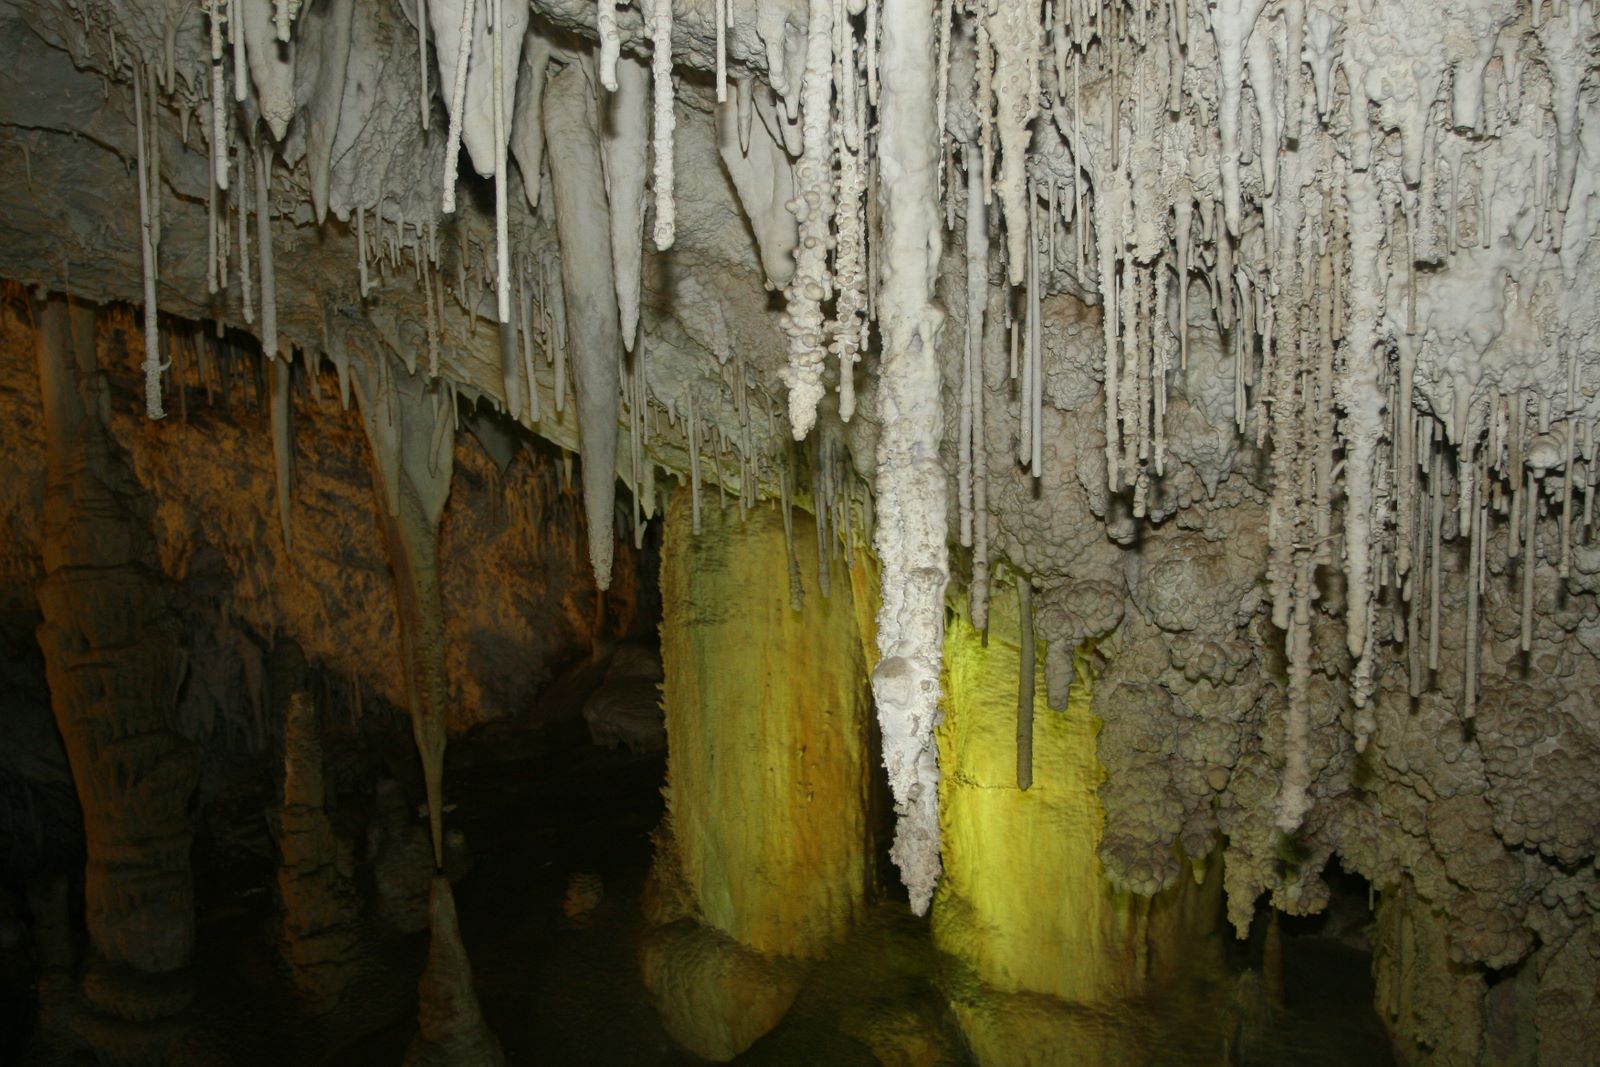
1007	533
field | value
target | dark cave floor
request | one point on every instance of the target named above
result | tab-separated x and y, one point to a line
537	808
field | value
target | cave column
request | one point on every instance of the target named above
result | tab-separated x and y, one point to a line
762	861
1024	904
114	662
410	425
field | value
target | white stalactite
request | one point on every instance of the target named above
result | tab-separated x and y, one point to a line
660	16
498	93
527	116
148	252
271	63
269	283
219	104
605	23
572	130
1015	32
1232	23
910	534
813	210
461	39
624	152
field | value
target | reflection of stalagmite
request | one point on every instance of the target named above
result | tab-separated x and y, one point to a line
410	427
450	1027
113	662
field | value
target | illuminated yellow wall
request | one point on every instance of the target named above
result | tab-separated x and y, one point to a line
767	711
1023	900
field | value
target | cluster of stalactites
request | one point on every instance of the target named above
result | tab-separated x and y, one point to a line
829	205
1208	154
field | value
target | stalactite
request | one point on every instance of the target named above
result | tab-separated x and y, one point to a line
1470	488
271	66
969	437
525	310
269	295
849	329
1358	391
910	527
1232	24
147	249
692	426
660	15
1014	29
1027	664
458	99
1035	414
624	153
573	134
282	444
219	110
605	20
1530	562
362	288
813	208
424	98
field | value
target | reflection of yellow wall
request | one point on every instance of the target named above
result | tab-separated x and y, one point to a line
766	712
1023	900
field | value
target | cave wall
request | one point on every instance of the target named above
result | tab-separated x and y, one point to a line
1258	336
520	605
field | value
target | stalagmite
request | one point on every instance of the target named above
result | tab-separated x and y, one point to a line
813	209
659	14
450	1025
910	481
623	153
572	133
